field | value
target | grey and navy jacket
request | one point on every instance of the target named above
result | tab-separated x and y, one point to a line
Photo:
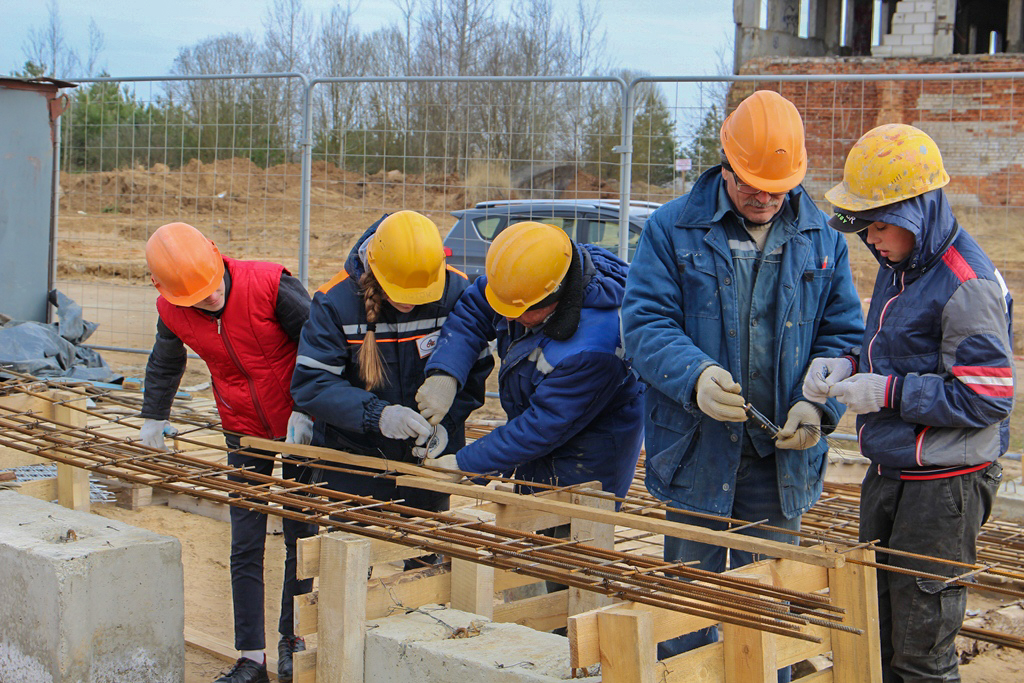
575	407
940	327
326	382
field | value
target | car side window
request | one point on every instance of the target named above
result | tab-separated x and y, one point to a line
566	224
606	234
489	226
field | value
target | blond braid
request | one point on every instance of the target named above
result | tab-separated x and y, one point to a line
371	369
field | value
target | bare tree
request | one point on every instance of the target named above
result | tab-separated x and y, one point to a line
48	48
287	38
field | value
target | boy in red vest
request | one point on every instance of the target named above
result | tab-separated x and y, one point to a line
243	318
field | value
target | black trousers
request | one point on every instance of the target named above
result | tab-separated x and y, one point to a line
919	618
248	541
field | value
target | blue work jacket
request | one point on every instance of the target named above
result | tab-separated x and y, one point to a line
575	408
680	315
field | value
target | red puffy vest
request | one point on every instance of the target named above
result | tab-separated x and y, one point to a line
249	355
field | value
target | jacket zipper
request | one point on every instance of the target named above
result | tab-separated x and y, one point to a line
881	318
252	385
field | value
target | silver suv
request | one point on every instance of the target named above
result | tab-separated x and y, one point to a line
591	221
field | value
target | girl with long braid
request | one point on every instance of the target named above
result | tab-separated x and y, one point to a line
361	356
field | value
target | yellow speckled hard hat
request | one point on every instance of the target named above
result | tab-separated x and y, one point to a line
525	264
888	164
407	258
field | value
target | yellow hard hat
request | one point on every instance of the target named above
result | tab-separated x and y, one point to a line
764	142
407	258
525	264
184	265
888	164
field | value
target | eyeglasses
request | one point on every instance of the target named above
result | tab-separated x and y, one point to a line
743	188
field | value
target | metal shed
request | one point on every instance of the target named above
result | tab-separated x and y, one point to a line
29	110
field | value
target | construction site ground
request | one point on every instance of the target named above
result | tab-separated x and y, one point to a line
101	251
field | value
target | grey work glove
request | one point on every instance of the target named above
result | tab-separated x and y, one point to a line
400	422
718	395
434	446
152	433
802	429
862	393
436	395
822	375
300	428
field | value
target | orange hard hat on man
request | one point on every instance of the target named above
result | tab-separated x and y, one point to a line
407	258
185	266
525	264
764	142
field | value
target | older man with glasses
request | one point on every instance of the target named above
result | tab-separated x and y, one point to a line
734	289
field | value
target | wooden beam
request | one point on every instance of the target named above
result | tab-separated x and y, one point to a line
472	587
628	652
222	649
813	556
43	489
342	608
541	613
332	455
854	587
308	554
72	482
304	666
749	655
597	534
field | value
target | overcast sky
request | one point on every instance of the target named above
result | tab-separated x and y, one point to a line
142	37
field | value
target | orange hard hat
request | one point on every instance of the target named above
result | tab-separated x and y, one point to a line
764	142
185	266
407	258
525	264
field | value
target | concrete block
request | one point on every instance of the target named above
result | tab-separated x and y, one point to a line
925	29
914	40
901	29
87	600
902	50
439	645
890	39
922	50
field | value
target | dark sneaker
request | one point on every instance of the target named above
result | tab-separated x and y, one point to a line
246	671
285	648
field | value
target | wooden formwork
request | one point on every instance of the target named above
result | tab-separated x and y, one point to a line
621	637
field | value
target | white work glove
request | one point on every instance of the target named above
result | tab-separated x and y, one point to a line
822	375
434	446
399	422
862	393
435	396
802	429
300	428
718	395
152	433
447	462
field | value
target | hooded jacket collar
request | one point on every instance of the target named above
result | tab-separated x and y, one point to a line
929	218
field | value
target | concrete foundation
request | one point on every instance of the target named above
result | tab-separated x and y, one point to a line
84	599
439	645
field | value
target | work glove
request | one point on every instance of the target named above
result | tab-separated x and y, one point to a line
152	433
435	444
823	374
300	428
718	395
802	429
435	396
862	393
447	462
399	422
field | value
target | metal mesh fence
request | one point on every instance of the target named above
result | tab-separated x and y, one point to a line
229	154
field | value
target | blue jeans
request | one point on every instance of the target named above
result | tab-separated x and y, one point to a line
918	619
757	498
248	540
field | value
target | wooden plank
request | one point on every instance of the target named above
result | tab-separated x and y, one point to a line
43	489
749	655
812	556
304	666
408	590
583	643
72	482
703	664
306	613
853	586
222	649
308	557
597	534
332	455
628	652
472	587
823	676
342	607
541	613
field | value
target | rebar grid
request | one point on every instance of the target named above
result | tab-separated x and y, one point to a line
621	575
